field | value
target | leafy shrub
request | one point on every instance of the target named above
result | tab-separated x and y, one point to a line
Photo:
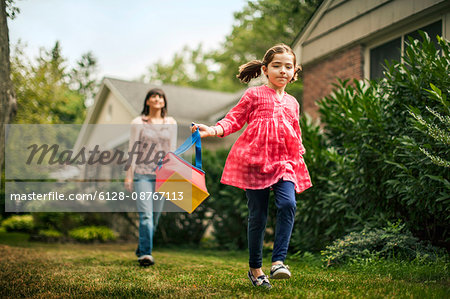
227	204
418	188
18	223
92	233
325	211
50	233
393	241
367	166
189	229
182	228
437	126
62	222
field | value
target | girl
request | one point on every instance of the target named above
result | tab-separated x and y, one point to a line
268	155
152	131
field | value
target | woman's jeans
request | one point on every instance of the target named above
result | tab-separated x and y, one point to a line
258	202
149	212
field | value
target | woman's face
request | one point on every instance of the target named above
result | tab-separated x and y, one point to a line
156	102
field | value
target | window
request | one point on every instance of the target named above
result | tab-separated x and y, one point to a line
432	30
388	51
392	49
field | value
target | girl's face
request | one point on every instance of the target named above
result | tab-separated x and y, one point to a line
280	70
156	102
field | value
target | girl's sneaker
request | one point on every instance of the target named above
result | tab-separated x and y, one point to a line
280	271
261	281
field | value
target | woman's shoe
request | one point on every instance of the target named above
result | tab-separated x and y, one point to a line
146	260
261	281
280	271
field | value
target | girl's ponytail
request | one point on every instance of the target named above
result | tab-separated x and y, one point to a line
298	70
250	70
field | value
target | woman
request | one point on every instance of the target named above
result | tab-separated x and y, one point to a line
154	132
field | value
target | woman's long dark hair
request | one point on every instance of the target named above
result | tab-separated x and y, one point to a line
160	92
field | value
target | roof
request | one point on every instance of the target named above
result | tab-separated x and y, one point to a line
183	103
338	24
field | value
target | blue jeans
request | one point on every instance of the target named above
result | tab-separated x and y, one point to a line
258	202
149	212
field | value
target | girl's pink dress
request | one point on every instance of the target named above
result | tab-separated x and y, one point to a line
270	147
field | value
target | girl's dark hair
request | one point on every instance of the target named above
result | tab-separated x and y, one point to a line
146	109
252	69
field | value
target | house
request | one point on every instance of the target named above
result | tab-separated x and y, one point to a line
352	38
118	102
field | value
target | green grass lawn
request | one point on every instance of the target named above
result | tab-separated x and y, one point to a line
29	269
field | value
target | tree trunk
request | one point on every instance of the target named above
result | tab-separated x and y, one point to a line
7	96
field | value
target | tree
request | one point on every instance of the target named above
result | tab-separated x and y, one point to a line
260	25
7	96
46	91
188	67
83	77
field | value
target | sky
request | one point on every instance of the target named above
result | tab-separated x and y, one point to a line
125	36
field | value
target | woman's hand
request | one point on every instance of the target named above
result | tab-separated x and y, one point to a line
129	184
205	131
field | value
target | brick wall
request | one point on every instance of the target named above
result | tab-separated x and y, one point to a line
319	76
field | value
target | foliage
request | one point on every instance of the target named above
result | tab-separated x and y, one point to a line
11	10
367	166
436	126
18	223
260	25
225	210
83	78
50	233
417	188
43	86
62	222
392	241
182	228
228	205
92	233
188	67
323	211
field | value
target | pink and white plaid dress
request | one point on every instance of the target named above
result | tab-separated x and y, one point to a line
270	147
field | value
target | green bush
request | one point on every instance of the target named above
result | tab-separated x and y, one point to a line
188	229
324	212
227	204
62	222
393	241
435	125
18	223
418	188
50	233
367	165
92	233
182	228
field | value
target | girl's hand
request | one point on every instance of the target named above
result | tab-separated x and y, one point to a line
129	184
205	131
